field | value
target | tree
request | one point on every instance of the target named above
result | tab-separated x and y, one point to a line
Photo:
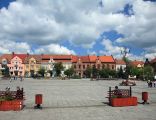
148	73
41	71
88	72
58	68
112	73
104	73
95	71
138	72
69	72
5	71
120	73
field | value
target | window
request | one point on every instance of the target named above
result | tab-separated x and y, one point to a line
98	66
79	66
113	67
88	66
75	66
84	66
107	65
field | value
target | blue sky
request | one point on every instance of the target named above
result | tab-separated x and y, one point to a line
100	27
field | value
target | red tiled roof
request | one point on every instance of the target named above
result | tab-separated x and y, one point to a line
74	58
8	57
46	56
84	59
120	62
153	60
38	58
136	63
106	59
21	56
93	58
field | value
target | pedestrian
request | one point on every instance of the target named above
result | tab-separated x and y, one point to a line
10	78
148	82
21	78
154	83
14	77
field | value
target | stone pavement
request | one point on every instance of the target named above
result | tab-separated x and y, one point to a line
77	100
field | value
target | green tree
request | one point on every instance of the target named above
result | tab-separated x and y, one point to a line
138	72
5	71
41	71
112	73
128	67
58	68
104	73
148	73
95	71
120	73
88	72
69	72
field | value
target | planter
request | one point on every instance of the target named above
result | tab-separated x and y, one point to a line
121	102
11	105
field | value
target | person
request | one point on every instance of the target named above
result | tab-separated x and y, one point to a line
154	83
148	82
117	92
21	78
10	78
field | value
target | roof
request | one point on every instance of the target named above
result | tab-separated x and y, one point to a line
120	62
153	60
106	59
74	58
136	63
8	57
38	58
57	58
46	56
21	56
92	58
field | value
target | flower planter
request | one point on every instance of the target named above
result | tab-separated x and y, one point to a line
121	102
11	105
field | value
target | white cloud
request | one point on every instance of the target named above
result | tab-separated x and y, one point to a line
78	21
140	29
17	47
53	49
115	50
47	22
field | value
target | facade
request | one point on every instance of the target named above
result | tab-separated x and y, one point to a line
49	60
153	64
138	64
80	63
120	64
32	64
16	65
28	65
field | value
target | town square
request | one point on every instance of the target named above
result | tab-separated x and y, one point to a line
77	60
78	99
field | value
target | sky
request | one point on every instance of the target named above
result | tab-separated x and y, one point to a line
80	27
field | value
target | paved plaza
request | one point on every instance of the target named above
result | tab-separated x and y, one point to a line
77	100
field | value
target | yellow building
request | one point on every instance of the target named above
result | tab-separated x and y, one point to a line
32	65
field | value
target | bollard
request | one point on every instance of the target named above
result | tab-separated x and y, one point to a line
38	101
145	97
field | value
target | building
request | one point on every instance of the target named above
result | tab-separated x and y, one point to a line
49	60
16	64
138	64
153	64
80	63
120	64
32	64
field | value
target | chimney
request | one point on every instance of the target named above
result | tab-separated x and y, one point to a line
13	53
27	54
